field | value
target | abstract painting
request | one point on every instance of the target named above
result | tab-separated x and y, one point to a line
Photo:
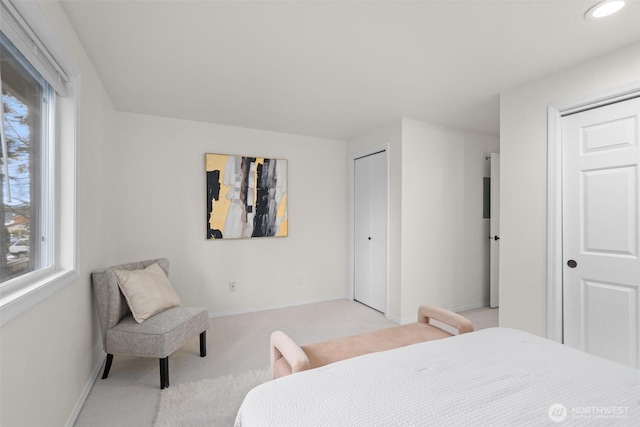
246	197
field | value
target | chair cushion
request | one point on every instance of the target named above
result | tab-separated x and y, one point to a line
147	291
159	335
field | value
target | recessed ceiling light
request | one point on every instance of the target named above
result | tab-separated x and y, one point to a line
604	8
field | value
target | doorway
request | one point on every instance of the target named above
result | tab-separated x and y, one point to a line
494	233
593	261
370	230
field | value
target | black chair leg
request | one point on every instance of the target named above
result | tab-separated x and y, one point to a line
107	366
164	373
203	343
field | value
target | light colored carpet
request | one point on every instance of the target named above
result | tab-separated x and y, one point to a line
235	344
209	402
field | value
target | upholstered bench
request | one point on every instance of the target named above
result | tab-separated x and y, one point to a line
287	357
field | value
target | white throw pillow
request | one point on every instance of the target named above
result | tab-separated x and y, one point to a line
147	291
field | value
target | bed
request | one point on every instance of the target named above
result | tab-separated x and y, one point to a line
495	376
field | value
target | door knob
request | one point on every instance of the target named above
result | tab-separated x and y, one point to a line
494	238
369	238
572	264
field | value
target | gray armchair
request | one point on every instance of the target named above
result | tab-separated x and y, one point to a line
158	336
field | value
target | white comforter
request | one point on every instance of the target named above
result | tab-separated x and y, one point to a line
496	376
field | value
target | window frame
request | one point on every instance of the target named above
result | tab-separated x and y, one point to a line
22	293
40	105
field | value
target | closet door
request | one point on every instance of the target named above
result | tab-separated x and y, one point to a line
601	193
370	230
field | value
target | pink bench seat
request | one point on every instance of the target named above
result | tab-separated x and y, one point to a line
287	357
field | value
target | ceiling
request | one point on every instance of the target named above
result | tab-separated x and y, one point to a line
335	69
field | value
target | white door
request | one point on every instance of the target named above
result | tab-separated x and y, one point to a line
601	267
370	230
494	253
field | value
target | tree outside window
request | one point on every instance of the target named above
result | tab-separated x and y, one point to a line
24	101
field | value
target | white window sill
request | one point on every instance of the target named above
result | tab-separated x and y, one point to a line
17	298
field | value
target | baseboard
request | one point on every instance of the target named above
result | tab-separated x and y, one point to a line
407	320
412	319
85	392
402	321
275	307
394	319
469	307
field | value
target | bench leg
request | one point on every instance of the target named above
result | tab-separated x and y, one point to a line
203	343
107	365
164	373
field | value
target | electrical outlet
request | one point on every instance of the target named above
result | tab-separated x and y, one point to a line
232	286
300	280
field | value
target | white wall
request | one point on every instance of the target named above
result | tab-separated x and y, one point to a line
523	144
438	240
162	213
444	237
49	353
432	214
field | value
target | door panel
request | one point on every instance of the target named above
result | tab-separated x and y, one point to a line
362	227
494	255
370	231
618	304
601	274
617	209
609	135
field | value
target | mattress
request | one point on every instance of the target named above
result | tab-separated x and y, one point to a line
492	377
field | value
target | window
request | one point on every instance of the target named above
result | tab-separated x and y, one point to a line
27	104
37	160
